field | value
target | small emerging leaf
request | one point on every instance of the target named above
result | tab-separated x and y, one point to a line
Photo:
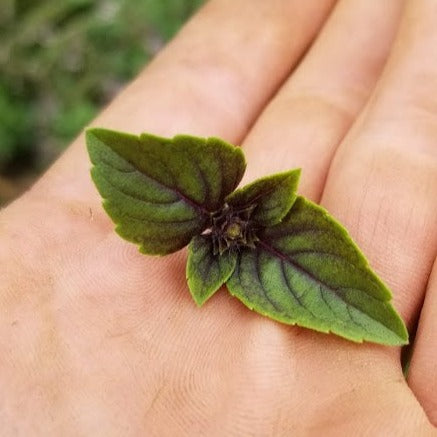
307	271
207	272
160	192
272	195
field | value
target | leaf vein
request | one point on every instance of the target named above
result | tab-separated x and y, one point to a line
202	179
141	199
291	289
168	222
258	274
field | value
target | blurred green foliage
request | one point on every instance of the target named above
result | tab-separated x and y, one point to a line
60	61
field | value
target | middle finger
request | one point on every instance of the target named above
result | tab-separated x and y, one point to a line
310	115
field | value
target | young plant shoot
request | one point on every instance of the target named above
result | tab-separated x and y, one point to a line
278	253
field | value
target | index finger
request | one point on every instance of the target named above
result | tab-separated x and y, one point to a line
213	79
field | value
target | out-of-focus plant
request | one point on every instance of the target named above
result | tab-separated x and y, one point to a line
50	83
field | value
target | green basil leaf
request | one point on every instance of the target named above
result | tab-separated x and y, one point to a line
307	271
160	192
272	195
206	272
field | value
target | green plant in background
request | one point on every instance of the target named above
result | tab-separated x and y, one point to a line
50	83
16	117
280	254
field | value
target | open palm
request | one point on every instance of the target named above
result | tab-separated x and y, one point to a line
97	339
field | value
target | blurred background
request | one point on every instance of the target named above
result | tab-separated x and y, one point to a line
60	62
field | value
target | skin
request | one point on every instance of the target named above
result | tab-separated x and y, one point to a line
97	339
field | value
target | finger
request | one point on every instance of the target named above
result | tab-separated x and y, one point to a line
306	121
422	374
302	127
383	181
212	79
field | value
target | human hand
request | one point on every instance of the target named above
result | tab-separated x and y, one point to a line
97	339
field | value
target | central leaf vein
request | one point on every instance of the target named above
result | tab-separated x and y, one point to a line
134	197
